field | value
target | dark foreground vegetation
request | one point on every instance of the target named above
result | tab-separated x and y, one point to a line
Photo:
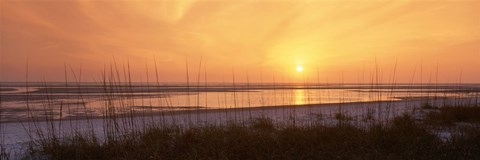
401	138
452	114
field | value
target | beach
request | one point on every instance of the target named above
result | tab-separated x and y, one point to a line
67	111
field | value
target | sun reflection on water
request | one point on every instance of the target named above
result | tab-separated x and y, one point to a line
299	97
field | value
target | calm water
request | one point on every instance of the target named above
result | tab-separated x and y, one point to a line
73	99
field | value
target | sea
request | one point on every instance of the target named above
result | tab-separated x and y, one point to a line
56	100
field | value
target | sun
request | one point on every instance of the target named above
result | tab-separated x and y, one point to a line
299	68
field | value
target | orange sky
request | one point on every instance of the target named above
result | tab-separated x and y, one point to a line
334	37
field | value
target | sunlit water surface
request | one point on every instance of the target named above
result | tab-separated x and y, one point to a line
59	100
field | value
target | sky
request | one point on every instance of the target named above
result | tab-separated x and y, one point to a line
352	41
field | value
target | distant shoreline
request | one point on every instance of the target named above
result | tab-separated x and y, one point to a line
257	110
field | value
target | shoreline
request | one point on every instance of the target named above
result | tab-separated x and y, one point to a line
205	110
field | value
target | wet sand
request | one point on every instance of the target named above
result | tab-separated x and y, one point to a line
401	103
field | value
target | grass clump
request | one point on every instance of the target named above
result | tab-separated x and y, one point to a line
427	105
342	116
450	115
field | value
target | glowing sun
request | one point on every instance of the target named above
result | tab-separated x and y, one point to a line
299	68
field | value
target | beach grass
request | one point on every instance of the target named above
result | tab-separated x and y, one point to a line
454	114
401	138
383	132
